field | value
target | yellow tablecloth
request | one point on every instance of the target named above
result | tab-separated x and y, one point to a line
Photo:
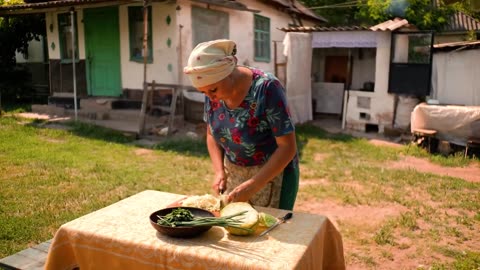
120	236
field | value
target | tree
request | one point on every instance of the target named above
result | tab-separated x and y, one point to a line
470	7
424	14
421	13
373	11
15	33
337	12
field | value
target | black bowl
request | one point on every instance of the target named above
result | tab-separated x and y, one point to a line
181	231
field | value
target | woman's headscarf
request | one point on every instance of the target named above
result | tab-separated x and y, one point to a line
211	62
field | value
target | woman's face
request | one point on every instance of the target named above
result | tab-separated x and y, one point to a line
218	91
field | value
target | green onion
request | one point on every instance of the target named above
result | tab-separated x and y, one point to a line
179	217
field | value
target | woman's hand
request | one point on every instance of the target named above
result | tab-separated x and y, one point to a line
216	155
219	183
244	192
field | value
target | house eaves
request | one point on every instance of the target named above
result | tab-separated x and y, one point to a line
390	25
294	6
40	7
231	4
456	46
323	28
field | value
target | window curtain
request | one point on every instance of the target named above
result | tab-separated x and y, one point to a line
347	39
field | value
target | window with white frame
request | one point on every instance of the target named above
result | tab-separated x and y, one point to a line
262	38
135	27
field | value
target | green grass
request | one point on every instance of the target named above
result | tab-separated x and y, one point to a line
14	108
384	236
463	260
49	177
454	160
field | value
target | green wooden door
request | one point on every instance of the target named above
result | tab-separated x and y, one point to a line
102	47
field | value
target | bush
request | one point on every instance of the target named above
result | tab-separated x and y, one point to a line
15	84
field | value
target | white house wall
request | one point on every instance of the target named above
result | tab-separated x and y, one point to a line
81	35
51	19
163	56
244	22
455	77
52	35
380	102
382	64
241	30
131	71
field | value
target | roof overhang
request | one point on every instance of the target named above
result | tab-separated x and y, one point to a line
227	4
42	7
461	23
324	29
293	6
352	36
397	24
457	46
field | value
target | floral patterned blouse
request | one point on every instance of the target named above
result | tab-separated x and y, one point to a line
247	133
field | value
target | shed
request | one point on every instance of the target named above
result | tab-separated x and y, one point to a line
362	74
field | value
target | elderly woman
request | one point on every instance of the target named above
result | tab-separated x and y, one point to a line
250	134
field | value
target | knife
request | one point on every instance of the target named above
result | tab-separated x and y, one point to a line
282	220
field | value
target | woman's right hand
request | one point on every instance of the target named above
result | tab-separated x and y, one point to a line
219	183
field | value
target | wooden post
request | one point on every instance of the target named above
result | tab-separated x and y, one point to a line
173	107
143	109
275	60
74	49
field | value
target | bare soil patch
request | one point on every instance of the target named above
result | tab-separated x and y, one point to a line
360	223
143	152
359	214
470	173
384	143
147	154
321	156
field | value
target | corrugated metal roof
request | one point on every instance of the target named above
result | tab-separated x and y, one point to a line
294	6
323	28
461	22
390	25
457	45
51	4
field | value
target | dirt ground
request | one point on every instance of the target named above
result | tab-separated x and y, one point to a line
366	216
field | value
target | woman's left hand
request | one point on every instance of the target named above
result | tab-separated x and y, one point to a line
243	192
